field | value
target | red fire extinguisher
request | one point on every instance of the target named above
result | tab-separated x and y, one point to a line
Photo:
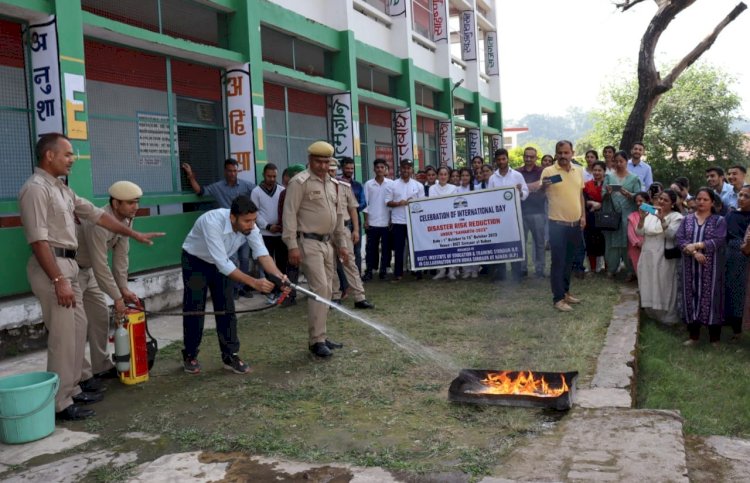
134	354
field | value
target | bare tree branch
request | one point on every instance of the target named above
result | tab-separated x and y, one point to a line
627	4
699	49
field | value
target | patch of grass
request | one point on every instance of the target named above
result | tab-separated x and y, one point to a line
373	403
707	384
110	473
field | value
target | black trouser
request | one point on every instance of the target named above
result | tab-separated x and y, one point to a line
278	251
735	323
399	235
714	332
378	249
199	275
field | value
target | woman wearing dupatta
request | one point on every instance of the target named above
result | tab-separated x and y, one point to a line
702	239
620	201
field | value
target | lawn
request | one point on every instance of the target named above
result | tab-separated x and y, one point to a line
707	384
373	403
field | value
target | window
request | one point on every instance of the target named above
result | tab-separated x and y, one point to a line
425	96
283	49
422	16
427	141
375	80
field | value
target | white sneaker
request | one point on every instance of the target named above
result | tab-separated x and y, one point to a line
475	274
440	275
466	275
451	274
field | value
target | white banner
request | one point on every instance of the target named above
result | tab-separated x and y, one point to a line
445	143
440	21
342	127
240	118
403	133
394	8
496	141
474	142
490	54
476	227
468	36
45	76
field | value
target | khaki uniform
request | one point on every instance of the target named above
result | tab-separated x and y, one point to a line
346	201
96	279
310	208
48	210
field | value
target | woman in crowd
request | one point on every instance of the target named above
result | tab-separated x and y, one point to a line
701	238
466	180
547	160
655	190
455	178
440	188
736	272
609	158
619	192
635	241
486	175
592	194
591	157
657	273
430	179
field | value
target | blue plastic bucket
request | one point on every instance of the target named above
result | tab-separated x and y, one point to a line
27	406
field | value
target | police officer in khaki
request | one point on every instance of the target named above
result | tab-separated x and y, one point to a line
48	211
96	278
347	209
310	223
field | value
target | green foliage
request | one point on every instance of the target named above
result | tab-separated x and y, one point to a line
515	155
689	129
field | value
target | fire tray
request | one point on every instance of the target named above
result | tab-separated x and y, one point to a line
467	387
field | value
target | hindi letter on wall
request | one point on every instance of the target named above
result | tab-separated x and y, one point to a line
239	94
45	76
342	125
468	36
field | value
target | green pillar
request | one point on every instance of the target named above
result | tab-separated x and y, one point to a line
72	80
244	37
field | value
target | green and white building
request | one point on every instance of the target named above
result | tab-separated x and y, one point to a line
141	86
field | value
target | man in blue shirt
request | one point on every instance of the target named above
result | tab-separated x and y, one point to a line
214	238
639	167
347	175
224	192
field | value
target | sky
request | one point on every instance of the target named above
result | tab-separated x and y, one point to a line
556	54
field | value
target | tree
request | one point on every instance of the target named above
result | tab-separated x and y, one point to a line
651	86
691	127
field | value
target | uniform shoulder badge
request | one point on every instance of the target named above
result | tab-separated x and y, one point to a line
301	177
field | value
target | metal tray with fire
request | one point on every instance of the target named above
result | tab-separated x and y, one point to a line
553	390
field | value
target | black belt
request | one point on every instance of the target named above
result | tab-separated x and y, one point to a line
315	236
566	223
64	253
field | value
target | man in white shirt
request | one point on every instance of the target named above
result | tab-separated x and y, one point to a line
506	176
736	176
639	167
397	196
266	197
377	219
216	236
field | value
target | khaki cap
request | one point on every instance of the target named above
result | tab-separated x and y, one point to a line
320	148
125	191
333	163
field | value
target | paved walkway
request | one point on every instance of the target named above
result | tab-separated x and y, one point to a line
601	439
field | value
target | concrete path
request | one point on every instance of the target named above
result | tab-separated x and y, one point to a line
601	438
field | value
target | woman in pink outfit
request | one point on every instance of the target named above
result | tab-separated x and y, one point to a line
635	241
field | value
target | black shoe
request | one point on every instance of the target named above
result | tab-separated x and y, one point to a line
88	397
92	384
320	349
367	276
333	345
74	412
110	374
382	275
363	304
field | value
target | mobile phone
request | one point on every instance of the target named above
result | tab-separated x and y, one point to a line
555	178
648	208
616	187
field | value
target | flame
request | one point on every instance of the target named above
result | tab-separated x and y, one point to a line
524	384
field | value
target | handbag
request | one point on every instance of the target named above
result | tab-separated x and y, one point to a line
671	253
608	221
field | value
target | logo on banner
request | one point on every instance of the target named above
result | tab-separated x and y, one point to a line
45	75
394	8
468	36
439	21
342	132
238	94
474	142
490	46
445	143
403	133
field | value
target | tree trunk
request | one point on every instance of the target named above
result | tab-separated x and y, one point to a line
650	84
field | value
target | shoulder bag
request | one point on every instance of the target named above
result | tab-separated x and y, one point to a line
608	221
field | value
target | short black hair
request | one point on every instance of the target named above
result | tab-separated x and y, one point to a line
429	167
346	160
715	169
639	143
269	167
231	161
740	167
500	152
682	182
242	205
379	161
48	142
562	142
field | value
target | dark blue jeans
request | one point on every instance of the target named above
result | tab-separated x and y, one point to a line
242	260
199	276
565	242
398	234
378	249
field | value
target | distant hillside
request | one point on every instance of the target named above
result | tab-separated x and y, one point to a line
546	130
